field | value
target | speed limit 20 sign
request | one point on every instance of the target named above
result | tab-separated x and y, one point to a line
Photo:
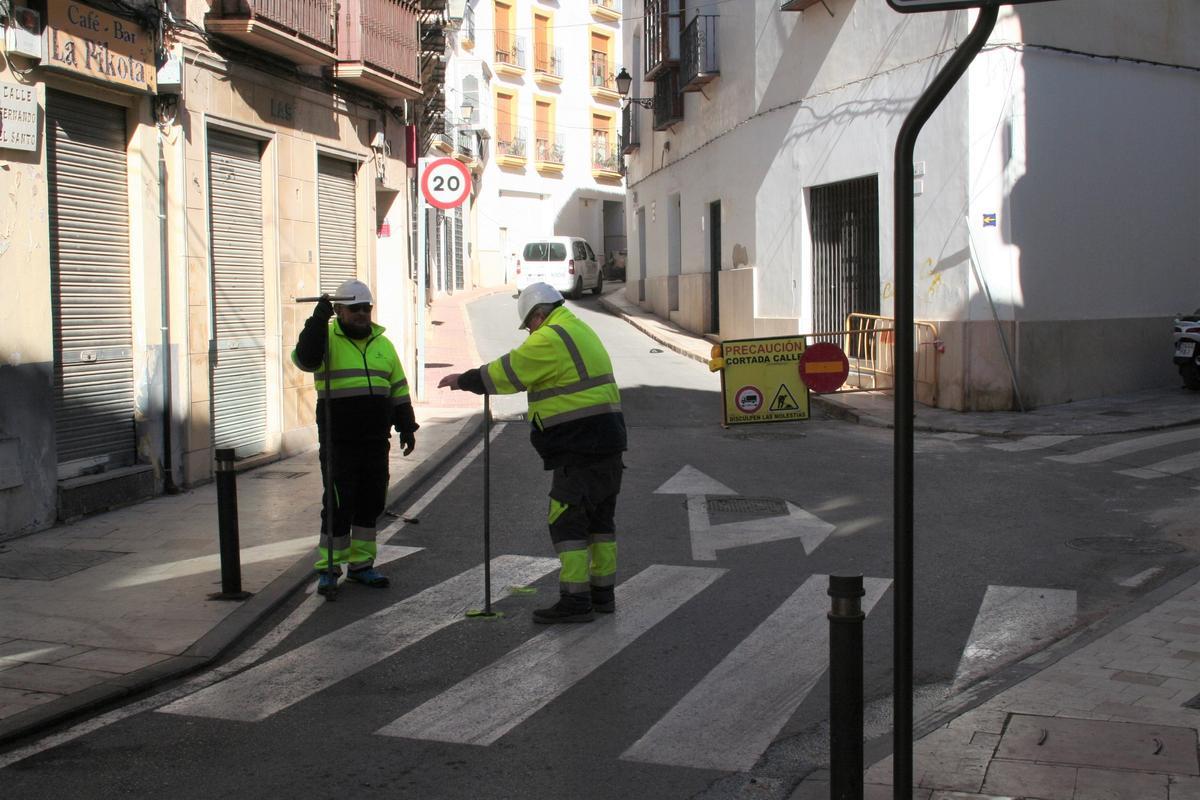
912	6
445	182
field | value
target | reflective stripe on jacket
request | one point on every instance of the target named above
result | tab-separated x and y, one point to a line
563	368
369	367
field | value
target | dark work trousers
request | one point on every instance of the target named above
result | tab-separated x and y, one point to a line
583	502
360	483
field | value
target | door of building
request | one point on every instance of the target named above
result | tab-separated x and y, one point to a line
337	222
845	247
237	355
89	284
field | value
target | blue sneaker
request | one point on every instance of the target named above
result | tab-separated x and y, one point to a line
368	577
327	582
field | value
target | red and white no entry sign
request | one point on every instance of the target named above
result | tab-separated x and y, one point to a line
445	182
824	367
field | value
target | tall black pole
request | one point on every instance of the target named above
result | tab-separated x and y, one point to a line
487	507
902	498
846	687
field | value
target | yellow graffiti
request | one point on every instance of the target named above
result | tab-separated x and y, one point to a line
888	291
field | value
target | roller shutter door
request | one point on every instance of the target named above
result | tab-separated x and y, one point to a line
458	247
238	351
89	265
337	222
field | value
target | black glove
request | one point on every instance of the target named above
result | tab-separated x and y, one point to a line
408	441
324	309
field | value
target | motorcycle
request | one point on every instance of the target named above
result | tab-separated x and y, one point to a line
1187	348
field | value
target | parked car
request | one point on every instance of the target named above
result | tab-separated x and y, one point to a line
614	265
567	263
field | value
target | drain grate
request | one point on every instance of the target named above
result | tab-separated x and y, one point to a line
1126	545
770	506
277	475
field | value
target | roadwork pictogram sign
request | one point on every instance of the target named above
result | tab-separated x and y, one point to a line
769	363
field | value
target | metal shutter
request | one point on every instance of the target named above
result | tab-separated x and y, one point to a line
89	266
336	222
458	247
239	394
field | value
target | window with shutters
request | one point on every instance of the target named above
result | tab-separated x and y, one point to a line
549	153
603	75
547	61
605	156
510	137
510	48
337	222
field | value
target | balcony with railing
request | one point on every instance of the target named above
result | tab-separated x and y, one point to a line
466	30
549	152
510	54
668	100
698	60
301	31
606	160
464	145
442	138
604	80
547	63
379	47
630	126
663	29
510	147
608	10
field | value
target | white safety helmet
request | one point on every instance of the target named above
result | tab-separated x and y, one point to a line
355	289
535	295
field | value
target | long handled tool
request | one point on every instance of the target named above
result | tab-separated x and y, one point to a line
328	465
487	516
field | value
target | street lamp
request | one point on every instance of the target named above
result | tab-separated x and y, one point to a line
465	111
624	81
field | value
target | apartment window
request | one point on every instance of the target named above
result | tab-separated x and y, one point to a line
604	149
543	48
506	39
603	76
510	138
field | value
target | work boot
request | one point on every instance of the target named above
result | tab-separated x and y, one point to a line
368	577
604	600
569	608
327	582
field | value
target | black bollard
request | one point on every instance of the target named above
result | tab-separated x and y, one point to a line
227	523
846	688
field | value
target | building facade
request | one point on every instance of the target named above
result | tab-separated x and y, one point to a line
192	170
1056	189
539	78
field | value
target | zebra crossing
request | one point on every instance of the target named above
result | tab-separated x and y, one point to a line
726	721
1134	446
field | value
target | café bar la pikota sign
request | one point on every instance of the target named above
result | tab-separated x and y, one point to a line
760	381
89	43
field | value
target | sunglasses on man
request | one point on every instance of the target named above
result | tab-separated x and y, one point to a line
360	307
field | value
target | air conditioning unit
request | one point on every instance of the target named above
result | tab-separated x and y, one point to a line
23	36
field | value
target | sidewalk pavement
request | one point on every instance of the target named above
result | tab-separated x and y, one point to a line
1109	713
111	604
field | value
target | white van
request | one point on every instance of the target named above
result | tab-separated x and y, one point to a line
567	263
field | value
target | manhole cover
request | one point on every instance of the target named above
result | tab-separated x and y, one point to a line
277	475
1098	743
1126	545
770	506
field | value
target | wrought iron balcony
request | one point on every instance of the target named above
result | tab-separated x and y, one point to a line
630	125
663	29
302	31
378	47
668	100
606	160
510	52
464	144
609	10
547	60
550	151
698	61
510	147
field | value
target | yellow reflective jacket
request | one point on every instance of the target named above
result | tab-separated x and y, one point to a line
574	402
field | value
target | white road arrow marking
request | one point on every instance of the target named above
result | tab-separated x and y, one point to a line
1012	621
707	538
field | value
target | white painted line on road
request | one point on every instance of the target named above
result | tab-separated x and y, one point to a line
1161	469
1011	622
952	436
274	685
1134	581
707	538
1105	452
1040	442
692	481
728	720
490	703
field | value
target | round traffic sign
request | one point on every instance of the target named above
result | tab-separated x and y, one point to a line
748	399
446	183
823	367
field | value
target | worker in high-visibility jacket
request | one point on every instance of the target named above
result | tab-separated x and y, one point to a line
367	396
579	431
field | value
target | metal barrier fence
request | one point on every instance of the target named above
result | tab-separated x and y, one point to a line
870	346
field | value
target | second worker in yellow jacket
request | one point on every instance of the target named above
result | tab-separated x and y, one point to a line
578	429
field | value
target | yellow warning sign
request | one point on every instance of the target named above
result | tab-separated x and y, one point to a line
760	381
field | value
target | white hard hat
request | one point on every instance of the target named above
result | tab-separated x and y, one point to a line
355	289
534	295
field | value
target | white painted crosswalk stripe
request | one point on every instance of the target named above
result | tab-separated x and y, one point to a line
729	719
1161	469
1039	442
493	701
281	682
1129	446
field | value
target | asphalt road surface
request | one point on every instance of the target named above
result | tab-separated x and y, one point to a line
711	678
